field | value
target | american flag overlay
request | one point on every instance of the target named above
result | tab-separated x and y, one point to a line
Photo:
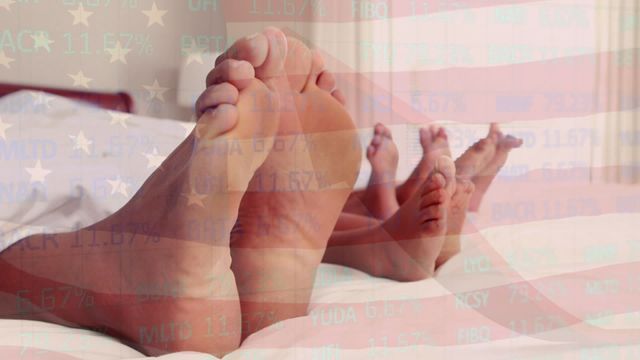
134	233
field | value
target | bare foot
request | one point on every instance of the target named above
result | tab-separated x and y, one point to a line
380	195
404	247
435	143
295	197
456	216
476	158
482	180
156	274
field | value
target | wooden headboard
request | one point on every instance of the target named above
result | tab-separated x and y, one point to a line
120	101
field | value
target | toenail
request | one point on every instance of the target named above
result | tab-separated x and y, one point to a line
252	36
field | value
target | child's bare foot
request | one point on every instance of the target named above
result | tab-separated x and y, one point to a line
435	143
405	247
295	197
156	274
456	216
476	158
380	195
483	179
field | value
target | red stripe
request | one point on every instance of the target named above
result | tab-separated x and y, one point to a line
347	10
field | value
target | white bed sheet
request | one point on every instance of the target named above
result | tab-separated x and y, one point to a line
331	330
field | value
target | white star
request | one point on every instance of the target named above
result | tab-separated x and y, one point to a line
80	80
119	118
155	15
80	15
118	186
5	60
194	53
156	91
38	173
154	160
118	53
80	142
6	4
3	128
194	198
41	98
41	41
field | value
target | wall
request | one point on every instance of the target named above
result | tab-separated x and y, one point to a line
49	45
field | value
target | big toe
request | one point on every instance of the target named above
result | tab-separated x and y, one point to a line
265	51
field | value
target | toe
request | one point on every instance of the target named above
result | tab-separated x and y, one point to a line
379	129
253	48
425	138
237	73
435	182
273	64
377	140
434	197
326	81
215	95
298	63
338	95
446	167
317	71
265	51
371	150
511	142
215	122
433	212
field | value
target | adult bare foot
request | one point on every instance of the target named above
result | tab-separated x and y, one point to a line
435	143
483	179
456	216
295	197
404	247
156	274
380	195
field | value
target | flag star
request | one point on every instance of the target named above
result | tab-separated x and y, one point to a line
119	118
118	186
3	128
7	4
80	15
194	198
80	80
118	53
41	41
154	160
38	173
5	60
80	142
155	15
41	98
156	91
194	53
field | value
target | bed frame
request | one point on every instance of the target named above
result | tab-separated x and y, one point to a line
120	101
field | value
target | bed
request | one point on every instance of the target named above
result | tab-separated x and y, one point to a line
528	289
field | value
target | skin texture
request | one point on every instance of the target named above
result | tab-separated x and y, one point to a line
295	197
157	273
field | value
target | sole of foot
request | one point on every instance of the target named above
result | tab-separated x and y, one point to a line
419	226
157	273
456	216
295	197
435	143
